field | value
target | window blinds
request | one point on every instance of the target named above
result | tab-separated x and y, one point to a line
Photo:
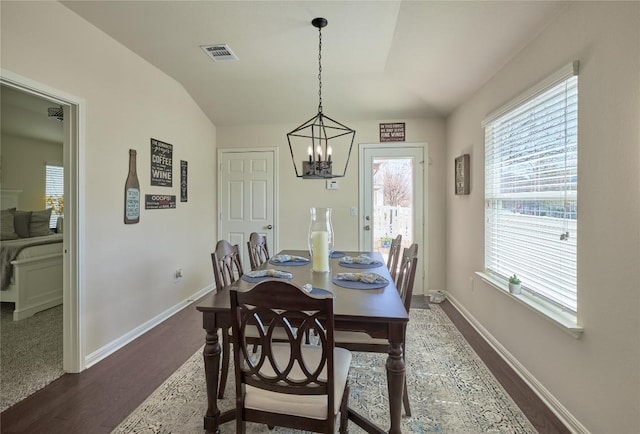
531	150
54	191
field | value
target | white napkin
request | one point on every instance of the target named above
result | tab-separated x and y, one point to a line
362	259
270	273
289	258
362	277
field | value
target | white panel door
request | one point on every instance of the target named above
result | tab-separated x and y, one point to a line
392	199
246	198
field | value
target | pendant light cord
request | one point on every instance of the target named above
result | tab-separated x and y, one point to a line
320	69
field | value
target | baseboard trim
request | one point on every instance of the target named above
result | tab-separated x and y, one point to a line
554	405
115	345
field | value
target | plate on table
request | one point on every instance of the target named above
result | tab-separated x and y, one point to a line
374	264
356	284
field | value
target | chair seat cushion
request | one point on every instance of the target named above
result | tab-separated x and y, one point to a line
311	406
345	337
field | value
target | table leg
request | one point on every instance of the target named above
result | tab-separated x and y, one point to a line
395	384
211	353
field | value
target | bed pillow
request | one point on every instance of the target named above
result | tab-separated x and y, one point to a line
8	231
39	224
21	223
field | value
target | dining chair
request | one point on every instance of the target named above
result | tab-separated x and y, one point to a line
289	384
258	250
362	342
394	256
227	268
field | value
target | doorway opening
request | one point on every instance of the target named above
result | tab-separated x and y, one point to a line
392	199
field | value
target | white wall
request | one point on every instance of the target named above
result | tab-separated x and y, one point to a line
298	195
597	377
23	168
128	274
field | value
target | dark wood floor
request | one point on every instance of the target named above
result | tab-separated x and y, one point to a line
98	399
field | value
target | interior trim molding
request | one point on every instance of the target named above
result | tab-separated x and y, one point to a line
115	345
556	407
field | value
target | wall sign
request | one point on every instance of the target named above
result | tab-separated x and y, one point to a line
183	181
392	132
159	201
161	163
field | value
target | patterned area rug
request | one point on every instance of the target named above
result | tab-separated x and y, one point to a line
30	354
451	390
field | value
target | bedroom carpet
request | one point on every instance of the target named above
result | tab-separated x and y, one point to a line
451	390
30	353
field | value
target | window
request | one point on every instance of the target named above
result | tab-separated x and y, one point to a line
531	187
54	191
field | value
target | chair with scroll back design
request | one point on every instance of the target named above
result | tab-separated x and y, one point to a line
362	342
289	384
258	250
394	256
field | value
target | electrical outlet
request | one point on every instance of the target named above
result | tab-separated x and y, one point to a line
178	274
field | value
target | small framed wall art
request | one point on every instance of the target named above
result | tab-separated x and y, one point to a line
461	173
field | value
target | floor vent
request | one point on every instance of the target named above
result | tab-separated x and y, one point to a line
219	52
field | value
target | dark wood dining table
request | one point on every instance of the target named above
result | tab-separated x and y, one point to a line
378	312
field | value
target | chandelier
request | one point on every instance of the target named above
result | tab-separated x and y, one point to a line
321	142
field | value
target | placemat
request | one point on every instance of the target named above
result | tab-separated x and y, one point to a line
320	291
374	264
356	284
337	255
260	279
289	263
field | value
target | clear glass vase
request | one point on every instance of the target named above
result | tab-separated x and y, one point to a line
320	239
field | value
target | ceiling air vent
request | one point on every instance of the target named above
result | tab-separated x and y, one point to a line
219	52
55	113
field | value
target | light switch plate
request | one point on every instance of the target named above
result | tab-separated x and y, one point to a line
332	184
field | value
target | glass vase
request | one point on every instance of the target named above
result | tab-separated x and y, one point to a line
320	239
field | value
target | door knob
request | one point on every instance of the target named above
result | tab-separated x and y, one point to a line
270	227
367	228
367	218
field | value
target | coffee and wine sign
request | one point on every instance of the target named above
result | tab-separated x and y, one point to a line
161	163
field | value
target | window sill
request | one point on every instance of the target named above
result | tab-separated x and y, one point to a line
565	320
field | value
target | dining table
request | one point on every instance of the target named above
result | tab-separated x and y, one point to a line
378	312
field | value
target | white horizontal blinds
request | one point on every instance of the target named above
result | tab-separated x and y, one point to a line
531	192
54	191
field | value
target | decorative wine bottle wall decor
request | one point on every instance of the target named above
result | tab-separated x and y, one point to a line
132	192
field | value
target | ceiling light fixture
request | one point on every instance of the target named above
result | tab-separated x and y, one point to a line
310	142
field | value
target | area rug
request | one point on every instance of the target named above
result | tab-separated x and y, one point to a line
450	388
30	353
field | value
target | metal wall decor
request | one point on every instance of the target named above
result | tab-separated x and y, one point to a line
321	144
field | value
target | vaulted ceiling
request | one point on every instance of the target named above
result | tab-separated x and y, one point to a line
381	60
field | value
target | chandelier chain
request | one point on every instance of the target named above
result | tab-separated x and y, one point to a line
319	70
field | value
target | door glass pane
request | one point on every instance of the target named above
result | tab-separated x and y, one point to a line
393	202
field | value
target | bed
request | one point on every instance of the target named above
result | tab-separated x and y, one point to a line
32	270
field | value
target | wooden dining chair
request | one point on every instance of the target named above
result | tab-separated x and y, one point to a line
227	268
394	256
288	384
258	250
362	342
